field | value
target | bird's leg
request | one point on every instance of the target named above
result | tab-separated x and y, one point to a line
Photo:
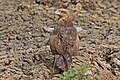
54	62
70	58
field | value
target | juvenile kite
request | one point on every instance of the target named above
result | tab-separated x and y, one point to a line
64	40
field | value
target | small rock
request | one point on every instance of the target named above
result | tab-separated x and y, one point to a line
26	17
88	72
55	78
37	57
112	10
64	0
78	7
30	50
37	1
115	60
7	62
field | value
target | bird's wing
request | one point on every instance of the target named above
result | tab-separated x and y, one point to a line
68	36
63	37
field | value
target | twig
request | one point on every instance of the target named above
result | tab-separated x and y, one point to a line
79	29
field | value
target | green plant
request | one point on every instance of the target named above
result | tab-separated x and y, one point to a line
76	73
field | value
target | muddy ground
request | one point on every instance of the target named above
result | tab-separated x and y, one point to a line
24	43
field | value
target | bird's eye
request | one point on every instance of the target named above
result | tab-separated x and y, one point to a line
62	11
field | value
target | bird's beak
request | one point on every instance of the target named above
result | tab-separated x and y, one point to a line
57	12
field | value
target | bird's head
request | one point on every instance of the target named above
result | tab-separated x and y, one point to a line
64	17
62	13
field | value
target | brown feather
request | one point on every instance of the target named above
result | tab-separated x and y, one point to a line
64	37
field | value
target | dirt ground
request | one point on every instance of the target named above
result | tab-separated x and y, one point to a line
24	42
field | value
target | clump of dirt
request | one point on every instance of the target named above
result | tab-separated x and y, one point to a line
24	44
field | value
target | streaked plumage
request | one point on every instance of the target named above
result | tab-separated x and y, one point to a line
64	40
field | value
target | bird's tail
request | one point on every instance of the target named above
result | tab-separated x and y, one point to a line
63	62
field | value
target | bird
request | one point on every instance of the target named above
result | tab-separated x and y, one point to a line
64	40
